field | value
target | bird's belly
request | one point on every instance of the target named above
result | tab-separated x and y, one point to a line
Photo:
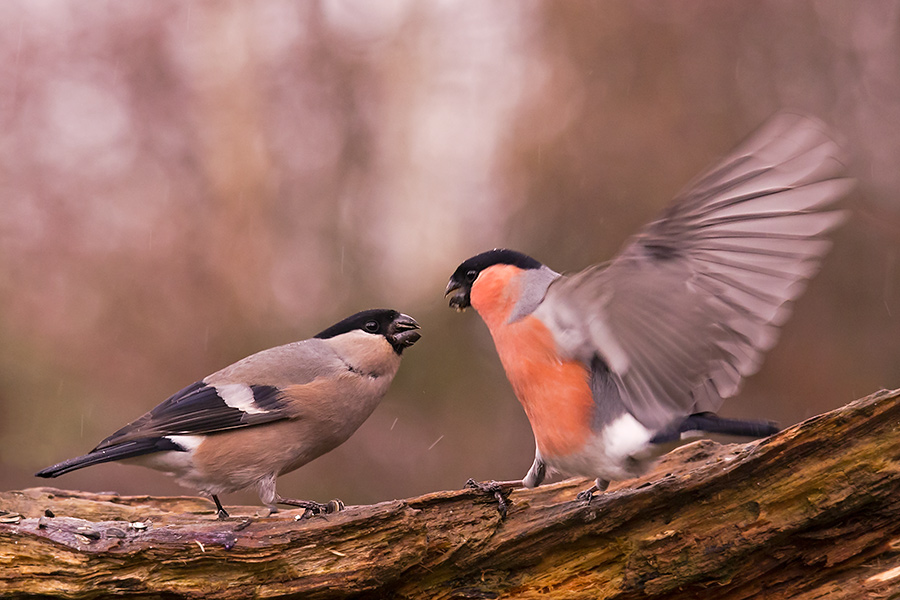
555	393
180	466
621	450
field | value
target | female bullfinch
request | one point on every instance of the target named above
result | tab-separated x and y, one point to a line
617	362
267	414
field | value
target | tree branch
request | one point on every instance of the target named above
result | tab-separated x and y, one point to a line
811	512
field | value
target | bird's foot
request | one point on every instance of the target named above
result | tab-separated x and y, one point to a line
498	489
313	508
334	506
587	495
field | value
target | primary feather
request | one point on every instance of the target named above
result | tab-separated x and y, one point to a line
690	304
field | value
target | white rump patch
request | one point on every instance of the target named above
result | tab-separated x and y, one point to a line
626	437
178	464
620	450
239	396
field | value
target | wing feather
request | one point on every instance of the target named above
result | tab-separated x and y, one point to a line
691	303
199	409
244	394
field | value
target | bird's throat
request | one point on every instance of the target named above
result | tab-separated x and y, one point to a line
495	292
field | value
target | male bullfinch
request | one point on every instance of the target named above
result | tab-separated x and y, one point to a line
617	362
267	414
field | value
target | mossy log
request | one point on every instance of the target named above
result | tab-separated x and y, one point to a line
812	512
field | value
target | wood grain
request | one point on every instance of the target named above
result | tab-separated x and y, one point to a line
813	512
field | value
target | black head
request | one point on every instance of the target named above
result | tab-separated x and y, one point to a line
465	275
398	329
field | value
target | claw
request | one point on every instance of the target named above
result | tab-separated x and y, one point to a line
491	488
312	508
587	495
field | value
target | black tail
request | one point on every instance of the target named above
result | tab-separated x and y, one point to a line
118	452
708	422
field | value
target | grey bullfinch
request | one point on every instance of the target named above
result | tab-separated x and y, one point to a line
267	414
616	363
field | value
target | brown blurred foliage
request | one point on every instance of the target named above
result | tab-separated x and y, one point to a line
183	184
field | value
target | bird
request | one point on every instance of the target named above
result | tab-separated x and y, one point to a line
267	414
620	362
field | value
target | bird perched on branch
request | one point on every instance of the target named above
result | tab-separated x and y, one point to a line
267	414
615	363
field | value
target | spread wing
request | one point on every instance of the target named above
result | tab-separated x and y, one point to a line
691	303
244	394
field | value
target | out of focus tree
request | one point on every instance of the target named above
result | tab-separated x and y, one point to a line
182	184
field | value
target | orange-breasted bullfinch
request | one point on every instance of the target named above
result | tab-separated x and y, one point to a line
267	414
615	363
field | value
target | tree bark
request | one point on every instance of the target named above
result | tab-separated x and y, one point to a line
812	512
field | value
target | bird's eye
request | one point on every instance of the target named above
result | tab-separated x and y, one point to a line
471	275
371	326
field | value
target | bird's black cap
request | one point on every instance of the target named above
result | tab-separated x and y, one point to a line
466	273
397	328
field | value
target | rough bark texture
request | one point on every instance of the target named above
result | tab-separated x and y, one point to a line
813	512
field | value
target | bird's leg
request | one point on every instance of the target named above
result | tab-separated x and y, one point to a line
536	473
312	508
220	510
269	497
498	489
587	495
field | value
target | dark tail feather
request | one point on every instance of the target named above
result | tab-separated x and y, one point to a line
711	423
118	452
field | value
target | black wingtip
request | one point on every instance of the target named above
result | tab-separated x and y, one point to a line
711	423
67	465
129	449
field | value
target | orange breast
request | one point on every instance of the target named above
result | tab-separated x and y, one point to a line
556	394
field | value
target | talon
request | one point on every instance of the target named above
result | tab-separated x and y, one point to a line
494	489
585	496
312	508
502	506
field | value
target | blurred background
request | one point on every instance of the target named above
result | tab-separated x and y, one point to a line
185	183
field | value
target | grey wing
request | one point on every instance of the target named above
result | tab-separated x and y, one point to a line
246	393
290	364
691	303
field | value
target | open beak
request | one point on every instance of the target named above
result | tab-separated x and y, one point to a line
404	331
460	298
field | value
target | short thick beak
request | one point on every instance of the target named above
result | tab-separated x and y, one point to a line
460	299
403	331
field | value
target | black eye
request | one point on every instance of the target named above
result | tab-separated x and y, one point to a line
371	326
471	275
